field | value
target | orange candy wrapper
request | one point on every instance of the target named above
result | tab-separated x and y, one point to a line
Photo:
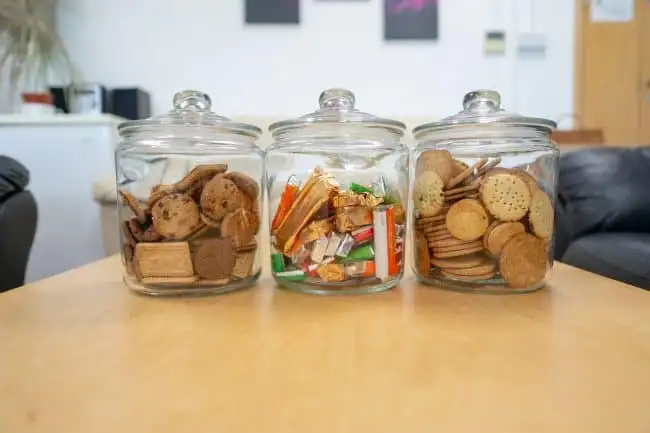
286	200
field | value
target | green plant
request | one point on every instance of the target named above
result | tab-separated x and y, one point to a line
31	51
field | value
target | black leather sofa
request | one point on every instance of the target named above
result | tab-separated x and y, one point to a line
18	218
603	213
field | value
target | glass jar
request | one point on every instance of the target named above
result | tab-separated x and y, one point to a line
189	185
337	183
483	195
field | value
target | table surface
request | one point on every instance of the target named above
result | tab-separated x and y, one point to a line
79	353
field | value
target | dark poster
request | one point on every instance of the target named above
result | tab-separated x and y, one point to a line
272	11
411	19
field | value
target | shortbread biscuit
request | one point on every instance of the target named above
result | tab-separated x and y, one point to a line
175	216
474	186
541	214
465	174
467	220
523	262
505	195
243	264
428	197
164	259
501	234
481	277
221	196
459	166
129	200
488	166
172	281
463	246
239	226
482	269
426	220
245	183
457	253
467	261
214	259
422	258
439	236
445	243
439	161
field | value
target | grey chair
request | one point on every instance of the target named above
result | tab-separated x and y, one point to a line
18	219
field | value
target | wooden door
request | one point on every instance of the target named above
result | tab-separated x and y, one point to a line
644	13
608	83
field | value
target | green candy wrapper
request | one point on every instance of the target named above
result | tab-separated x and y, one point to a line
355	187
277	262
365	252
291	275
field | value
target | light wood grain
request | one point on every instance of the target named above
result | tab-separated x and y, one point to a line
78	353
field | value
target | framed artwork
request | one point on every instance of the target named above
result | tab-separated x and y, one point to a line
272	11
410	19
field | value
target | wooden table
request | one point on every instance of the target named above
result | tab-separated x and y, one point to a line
78	353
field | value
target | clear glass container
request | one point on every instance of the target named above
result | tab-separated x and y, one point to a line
337	184
189	185
483	197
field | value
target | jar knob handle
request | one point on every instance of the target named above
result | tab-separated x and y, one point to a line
482	100
192	100
341	99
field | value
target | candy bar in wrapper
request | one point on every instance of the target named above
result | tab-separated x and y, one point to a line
365	252
358	188
297	275
318	250
350	218
315	230
346	246
301	255
333	244
346	198
386	263
312	268
331	272
363	269
362	235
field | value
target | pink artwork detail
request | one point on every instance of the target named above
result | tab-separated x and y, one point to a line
414	5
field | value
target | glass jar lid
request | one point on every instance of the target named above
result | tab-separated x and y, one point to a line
337	108
192	109
483	107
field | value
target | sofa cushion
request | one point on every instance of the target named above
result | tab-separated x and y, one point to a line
606	190
621	256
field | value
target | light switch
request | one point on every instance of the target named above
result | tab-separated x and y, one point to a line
495	43
531	46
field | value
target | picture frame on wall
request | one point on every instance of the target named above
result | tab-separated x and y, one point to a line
411	19
272	11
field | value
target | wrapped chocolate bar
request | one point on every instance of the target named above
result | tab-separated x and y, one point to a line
352	217
325	222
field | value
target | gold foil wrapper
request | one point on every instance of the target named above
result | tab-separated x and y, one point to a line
349	199
400	215
331	272
371	201
350	218
316	230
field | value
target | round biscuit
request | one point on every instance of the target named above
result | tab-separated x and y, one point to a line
175	216
467	261
541	214
467	220
428	197
524	260
439	161
501	234
482	277
505	195
457	253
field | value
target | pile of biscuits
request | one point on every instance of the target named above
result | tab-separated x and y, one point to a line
476	223
200	231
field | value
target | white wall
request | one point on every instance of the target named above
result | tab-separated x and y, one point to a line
167	45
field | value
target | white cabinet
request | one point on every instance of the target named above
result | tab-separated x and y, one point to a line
64	154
